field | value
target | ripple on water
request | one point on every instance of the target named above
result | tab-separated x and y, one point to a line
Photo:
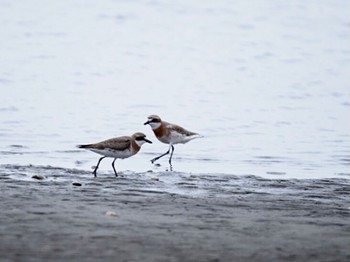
9	108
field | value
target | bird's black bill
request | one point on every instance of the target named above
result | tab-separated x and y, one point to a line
148	141
147	122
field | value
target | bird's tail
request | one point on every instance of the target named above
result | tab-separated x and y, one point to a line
195	136
84	146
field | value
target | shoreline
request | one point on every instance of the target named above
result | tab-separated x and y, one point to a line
171	217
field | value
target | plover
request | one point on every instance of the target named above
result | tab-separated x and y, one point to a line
169	134
119	147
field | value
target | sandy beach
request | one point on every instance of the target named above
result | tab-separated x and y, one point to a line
67	215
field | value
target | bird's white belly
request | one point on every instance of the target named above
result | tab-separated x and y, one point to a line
113	153
176	138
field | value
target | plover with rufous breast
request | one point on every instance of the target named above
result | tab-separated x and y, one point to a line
169	134
119	147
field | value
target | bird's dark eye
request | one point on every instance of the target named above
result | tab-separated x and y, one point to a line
155	120
139	138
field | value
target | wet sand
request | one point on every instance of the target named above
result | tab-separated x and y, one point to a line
170	216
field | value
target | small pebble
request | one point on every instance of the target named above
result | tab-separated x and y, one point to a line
155	178
38	177
76	184
111	213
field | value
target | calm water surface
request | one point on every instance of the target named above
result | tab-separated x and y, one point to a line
265	82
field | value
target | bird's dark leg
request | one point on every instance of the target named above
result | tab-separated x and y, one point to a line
156	158
115	172
171	154
98	163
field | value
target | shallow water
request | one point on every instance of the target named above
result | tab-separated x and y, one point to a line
266	84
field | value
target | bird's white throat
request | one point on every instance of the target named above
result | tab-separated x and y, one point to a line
155	125
140	142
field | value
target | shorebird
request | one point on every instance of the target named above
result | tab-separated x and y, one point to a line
119	147
169	134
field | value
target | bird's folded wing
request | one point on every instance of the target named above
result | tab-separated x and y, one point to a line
180	130
119	143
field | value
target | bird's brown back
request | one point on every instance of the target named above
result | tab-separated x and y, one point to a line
118	143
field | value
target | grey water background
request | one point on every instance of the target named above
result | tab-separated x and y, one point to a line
265	82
